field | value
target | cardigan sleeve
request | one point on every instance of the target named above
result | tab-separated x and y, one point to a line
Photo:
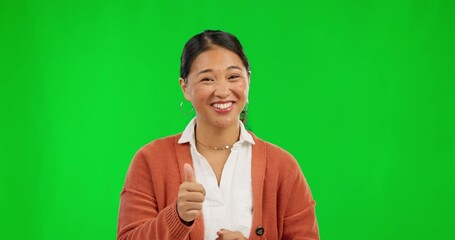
300	218
139	216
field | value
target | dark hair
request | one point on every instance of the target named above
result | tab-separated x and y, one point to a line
203	42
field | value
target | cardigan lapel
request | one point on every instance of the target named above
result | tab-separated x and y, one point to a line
258	167
183	154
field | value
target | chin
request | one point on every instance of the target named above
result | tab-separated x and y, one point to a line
224	123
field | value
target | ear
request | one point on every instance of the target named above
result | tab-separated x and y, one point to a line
184	87
248	82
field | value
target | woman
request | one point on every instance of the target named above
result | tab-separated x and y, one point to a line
215	180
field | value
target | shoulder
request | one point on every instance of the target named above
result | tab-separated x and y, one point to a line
153	162
156	155
277	157
156	152
161	145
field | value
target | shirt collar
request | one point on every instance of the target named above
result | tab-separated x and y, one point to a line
188	134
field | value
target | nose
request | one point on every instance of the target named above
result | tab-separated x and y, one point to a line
222	89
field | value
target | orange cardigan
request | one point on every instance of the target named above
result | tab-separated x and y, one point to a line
283	207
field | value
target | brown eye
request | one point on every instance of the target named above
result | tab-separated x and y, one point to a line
233	77
206	79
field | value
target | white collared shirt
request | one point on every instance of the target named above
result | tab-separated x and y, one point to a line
229	206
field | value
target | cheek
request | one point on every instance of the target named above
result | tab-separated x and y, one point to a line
241	90
201	94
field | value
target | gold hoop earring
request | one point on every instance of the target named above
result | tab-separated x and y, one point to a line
186	112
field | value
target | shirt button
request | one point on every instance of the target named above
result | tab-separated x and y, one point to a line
259	231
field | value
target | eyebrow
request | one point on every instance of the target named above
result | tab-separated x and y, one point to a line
211	70
234	67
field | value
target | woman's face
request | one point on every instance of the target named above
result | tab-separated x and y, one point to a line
217	87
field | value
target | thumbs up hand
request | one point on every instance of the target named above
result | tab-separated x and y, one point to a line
191	196
189	173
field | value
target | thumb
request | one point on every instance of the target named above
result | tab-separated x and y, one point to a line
189	173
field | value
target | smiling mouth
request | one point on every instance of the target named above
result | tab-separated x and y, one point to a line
222	106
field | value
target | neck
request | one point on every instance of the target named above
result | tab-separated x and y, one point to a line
214	136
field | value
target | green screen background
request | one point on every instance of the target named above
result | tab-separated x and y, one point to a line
360	92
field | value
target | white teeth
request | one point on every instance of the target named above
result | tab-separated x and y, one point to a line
222	105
